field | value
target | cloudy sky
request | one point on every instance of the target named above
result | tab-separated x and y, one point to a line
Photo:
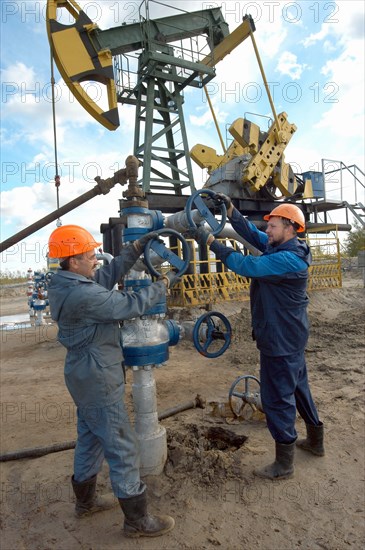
312	53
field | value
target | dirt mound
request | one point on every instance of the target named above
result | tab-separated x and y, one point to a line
205	454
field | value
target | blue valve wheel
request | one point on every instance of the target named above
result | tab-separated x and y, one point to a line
180	264
196	201
244	390
208	334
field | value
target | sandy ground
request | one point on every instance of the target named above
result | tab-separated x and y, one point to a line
211	491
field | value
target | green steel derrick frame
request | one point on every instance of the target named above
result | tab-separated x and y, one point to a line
161	72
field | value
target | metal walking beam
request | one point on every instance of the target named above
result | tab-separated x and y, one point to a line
83	52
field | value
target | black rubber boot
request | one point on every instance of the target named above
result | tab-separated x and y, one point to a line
314	440
139	523
86	500
283	467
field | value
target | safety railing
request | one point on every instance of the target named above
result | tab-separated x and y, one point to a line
210	282
325	271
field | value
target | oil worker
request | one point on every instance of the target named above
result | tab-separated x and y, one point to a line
88	311
279	303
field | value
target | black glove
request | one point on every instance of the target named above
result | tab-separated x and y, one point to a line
170	278
201	235
222	198
139	244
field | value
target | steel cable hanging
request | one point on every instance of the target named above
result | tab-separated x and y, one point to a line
57	176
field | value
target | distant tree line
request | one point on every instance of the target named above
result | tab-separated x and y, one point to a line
12	277
355	241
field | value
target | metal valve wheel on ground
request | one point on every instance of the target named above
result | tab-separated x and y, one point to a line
244	396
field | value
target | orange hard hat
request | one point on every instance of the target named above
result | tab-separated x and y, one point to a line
290	212
69	240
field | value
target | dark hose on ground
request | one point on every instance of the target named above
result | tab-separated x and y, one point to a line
36	452
198	403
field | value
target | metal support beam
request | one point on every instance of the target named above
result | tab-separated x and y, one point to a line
130	38
162	148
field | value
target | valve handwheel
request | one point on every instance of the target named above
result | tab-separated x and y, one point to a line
196	201
242	389
158	246
207	331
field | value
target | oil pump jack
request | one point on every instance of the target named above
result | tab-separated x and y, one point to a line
170	59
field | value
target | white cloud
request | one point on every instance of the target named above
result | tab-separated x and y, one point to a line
317	37
203	120
28	103
288	65
31	118
329	47
343	22
345	117
342	120
206	119
24	205
270	38
15	76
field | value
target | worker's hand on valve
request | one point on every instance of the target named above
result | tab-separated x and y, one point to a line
201	235
225	199
139	244
170	279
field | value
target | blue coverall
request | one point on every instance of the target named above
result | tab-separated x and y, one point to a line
88	312
279	321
